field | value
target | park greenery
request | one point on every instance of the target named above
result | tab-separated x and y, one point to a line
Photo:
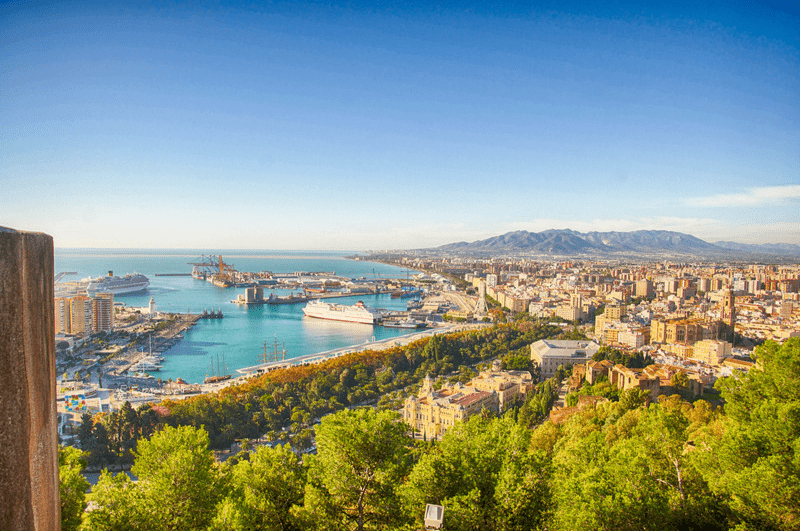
286	403
620	464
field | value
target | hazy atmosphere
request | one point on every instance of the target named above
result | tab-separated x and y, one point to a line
325	126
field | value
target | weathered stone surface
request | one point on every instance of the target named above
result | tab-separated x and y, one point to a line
29	498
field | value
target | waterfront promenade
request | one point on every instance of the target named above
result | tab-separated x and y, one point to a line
382	344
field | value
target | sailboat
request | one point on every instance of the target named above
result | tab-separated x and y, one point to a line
265	356
218	374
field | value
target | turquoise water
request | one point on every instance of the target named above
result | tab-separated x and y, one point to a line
240	336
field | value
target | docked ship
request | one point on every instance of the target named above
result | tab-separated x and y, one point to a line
406	293
337	312
218	374
130	283
408	324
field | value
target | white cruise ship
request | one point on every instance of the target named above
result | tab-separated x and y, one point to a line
130	283
336	312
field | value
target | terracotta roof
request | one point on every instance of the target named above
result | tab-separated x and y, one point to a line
471	398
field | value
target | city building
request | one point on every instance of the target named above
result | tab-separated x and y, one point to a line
729	309
550	353
681	330
63	324
103	312
508	385
644	288
633	338
81	315
432	413
595	369
615	312
711	352
624	378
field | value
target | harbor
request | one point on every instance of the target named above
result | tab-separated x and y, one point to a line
239	336
78	396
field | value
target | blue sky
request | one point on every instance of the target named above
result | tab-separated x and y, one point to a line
323	126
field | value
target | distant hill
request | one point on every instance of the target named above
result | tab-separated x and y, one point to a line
779	249
570	242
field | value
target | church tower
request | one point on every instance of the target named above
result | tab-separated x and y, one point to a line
729	309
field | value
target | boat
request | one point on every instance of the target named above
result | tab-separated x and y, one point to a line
278	356
406	324
145	365
221	281
405	293
337	312
218	374
130	283
415	304
290	299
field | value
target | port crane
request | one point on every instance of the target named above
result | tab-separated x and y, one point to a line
214	268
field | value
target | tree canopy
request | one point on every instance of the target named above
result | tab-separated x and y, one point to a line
626	464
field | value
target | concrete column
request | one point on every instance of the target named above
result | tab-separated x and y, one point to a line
29	497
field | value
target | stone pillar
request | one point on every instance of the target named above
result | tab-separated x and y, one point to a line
29	497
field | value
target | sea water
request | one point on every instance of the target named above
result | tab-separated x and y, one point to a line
239	338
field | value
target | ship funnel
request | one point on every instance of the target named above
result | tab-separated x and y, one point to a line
111	273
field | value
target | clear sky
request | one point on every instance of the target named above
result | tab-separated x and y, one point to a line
346	126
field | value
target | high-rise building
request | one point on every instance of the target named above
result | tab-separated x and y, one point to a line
616	311
81	315
103	312
62	320
704	284
575	300
644	288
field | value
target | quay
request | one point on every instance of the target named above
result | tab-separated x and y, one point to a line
243	300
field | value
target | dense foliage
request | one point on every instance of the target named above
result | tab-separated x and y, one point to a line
620	465
288	402
635	360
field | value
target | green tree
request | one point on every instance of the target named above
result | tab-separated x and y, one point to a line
178	486
630	472
72	486
484	475
362	456
518	362
751	457
264	491
634	398
85	437
119	505
100	451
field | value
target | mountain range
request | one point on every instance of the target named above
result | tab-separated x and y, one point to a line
566	242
